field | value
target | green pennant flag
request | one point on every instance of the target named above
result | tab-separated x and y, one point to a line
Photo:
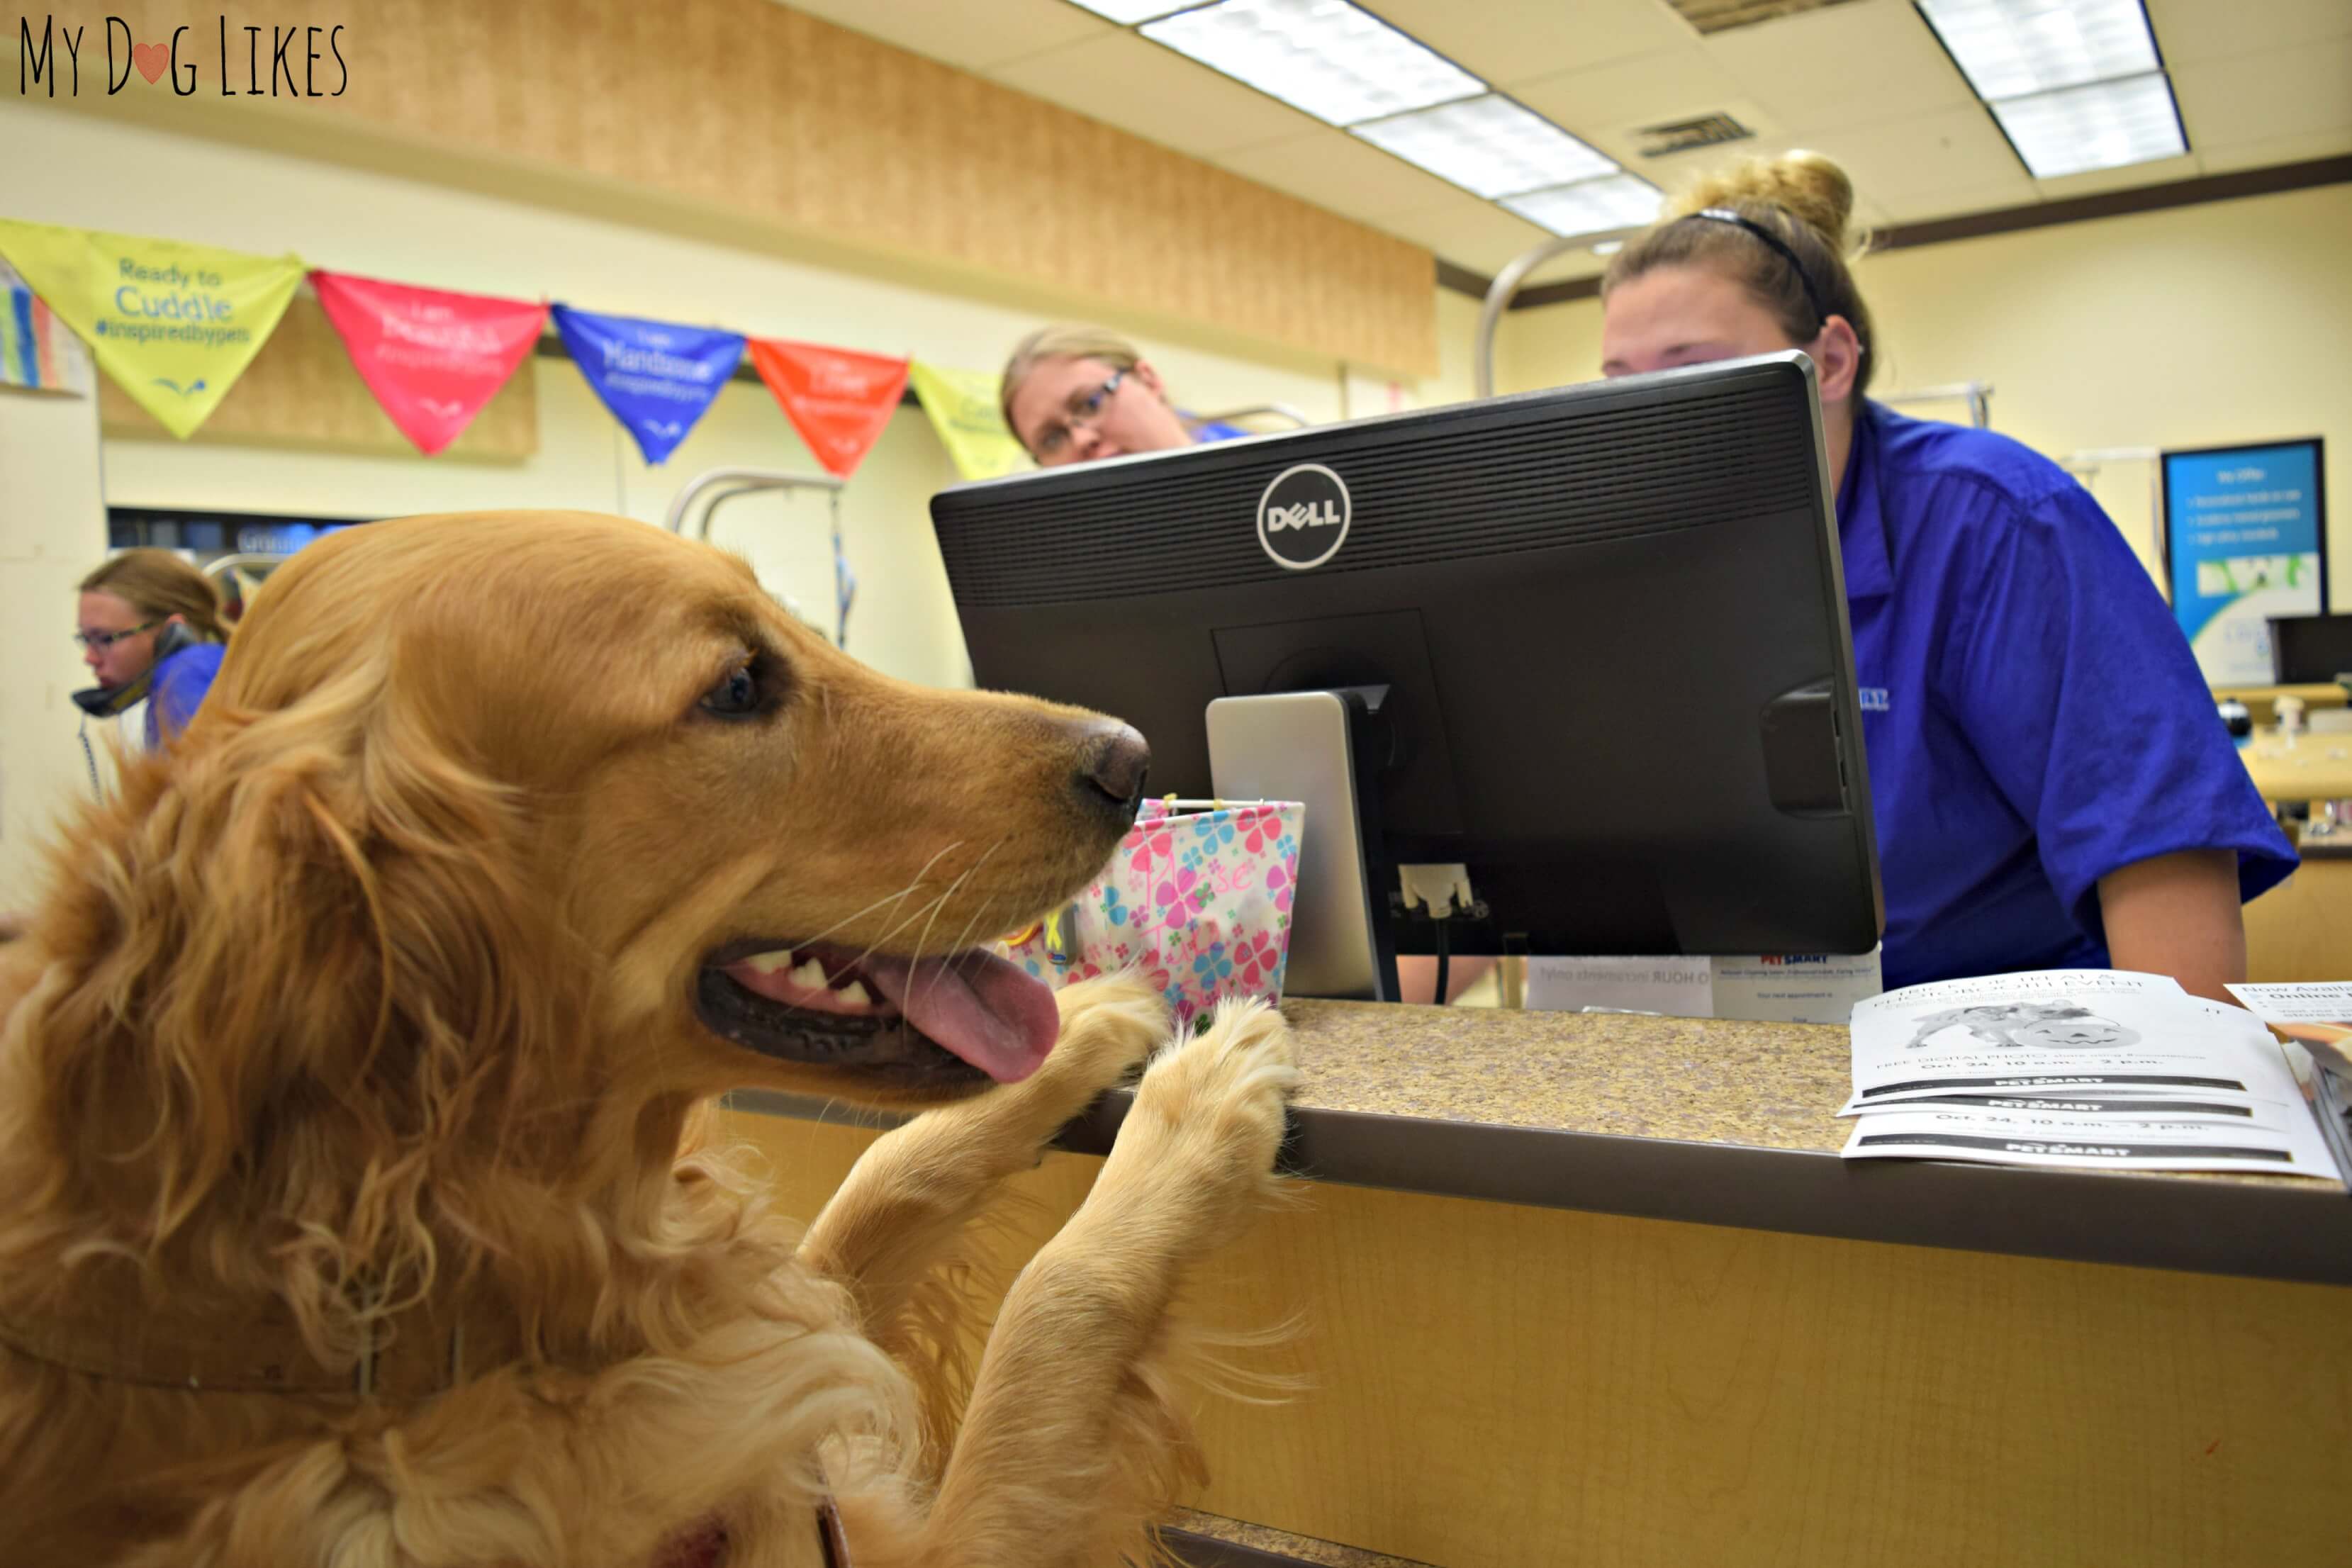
174	325
962	409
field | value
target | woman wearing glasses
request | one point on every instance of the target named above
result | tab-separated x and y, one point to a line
151	633
1073	393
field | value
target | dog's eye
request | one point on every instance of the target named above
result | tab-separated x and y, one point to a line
737	695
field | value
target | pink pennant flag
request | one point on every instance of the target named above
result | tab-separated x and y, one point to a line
431	358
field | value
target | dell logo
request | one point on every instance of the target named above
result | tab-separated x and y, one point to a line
1302	517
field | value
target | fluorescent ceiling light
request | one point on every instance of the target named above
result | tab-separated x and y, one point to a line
1489	146
1590	206
2008	48
2105	125
1339	64
1123	12
1609	247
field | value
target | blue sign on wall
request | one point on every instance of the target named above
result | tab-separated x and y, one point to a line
2245	538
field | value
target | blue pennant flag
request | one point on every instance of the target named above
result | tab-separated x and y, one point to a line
656	377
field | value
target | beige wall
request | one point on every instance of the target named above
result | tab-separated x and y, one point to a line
52	531
403	215
2195	327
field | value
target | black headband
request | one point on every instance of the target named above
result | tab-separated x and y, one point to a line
1804	279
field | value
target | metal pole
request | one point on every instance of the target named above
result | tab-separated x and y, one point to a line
742	481
1504	289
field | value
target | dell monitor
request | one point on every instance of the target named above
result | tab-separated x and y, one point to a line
1593	642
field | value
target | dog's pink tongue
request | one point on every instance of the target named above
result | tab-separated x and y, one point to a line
978	1005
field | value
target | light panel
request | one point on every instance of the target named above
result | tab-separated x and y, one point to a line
2008	48
2102	125
1339	64
1128	12
1590	206
1489	146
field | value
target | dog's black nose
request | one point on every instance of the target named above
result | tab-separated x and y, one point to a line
1113	767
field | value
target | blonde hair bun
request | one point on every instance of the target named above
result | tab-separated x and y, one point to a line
1808	186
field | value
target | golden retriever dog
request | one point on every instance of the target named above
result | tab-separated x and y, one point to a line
353	1208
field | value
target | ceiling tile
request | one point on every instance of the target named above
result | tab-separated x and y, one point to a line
1333	170
2190	30
1627	95
2278	150
1130	82
1850	65
2130	177
960	32
1951	150
1507	41
1679	173
1468	232
2017	191
2259	98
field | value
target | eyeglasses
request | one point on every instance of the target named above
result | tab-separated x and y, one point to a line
1084	409
104	640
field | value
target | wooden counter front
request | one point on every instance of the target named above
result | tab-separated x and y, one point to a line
1693	1336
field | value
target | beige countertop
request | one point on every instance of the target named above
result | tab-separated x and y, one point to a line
1718	1123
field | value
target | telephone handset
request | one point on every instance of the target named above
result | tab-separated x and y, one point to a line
106	702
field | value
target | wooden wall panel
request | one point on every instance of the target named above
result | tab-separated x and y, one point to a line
1492	1386
789	122
302	391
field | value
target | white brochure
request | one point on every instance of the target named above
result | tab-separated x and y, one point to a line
2077	1032
2021	1138
2317	1015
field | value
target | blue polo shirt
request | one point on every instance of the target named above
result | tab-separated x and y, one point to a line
181	680
2032	715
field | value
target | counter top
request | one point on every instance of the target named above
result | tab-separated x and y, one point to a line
1716	1123
2316	766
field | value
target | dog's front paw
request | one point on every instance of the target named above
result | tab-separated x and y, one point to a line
1108	1026
1209	1116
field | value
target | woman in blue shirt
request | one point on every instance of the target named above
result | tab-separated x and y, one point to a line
149	629
2051	785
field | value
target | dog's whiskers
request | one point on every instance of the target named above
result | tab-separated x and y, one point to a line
952	887
899	896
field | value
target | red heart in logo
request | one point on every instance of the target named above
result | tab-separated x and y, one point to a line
152	60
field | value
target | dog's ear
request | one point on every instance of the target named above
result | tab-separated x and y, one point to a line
305	943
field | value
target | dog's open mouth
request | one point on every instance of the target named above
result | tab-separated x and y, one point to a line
941	1019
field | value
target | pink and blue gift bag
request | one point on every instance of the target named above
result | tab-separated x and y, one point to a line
1198	902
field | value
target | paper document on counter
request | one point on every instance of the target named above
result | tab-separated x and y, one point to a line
2290	1147
2317	1015
2084	1033
2080	1068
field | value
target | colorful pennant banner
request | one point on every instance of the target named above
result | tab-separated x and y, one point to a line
433	359
658	378
838	399
174	324
962	407
37	350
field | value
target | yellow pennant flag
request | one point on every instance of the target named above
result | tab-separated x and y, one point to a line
962	407
174	324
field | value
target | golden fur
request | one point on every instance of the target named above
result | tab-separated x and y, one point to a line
364	1020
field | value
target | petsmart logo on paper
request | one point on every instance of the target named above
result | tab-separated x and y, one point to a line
58	58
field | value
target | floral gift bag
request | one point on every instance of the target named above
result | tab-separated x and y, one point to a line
1197	899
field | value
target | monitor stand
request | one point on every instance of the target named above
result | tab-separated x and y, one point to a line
1316	747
